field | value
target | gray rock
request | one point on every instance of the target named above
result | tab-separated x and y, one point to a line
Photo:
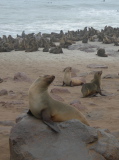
59	90
56	97
111	76
21	76
77	104
7	123
31	139
97	66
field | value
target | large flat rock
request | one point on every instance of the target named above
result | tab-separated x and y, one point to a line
31	139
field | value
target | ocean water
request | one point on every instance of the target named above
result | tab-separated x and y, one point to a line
48	16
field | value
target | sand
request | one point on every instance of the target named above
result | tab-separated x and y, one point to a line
100	111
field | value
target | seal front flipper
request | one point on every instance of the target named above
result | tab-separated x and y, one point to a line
48	121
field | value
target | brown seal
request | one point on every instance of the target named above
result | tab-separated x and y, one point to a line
71	81
43	106
93	88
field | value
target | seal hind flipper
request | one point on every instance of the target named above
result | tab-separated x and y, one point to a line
29	113
48	121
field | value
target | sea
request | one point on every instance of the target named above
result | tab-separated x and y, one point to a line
46	16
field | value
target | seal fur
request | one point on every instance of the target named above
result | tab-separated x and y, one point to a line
93	88
71	81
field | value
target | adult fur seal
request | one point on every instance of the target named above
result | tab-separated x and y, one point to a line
43	106
71	81
93	88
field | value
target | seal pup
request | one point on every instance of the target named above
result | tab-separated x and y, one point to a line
71	81
93	88
43	106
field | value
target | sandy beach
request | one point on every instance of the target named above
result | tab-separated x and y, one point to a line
101	111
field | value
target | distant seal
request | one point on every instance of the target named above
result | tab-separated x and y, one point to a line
101	53
43	106
93	88
71	81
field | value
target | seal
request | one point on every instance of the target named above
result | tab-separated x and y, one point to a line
93	88
71	81
101	53
43	106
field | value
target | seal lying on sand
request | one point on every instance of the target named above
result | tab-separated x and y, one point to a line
93	88
71	81
42	106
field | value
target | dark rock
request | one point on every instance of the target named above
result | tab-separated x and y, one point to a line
30	138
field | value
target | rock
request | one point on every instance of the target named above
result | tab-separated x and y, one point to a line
56	50
30	138
56	97
77	104
101	53
97	66
111	76
59	90
3	92
21	76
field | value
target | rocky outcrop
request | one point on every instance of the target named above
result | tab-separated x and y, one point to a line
31	139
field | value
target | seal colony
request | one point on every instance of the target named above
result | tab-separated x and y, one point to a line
43	106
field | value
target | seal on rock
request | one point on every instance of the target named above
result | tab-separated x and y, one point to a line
93	88
43	106
71	81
